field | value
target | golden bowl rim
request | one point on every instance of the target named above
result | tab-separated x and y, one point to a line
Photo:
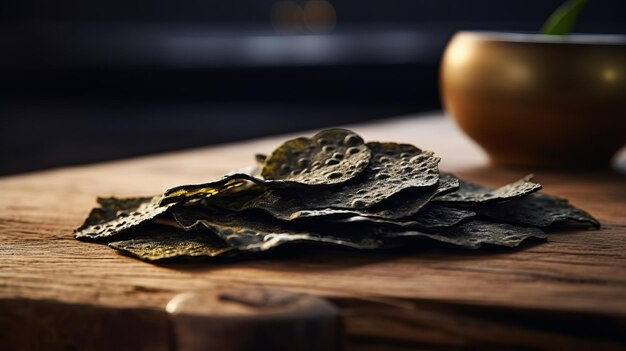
531	37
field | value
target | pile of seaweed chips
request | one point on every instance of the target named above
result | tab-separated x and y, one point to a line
333	188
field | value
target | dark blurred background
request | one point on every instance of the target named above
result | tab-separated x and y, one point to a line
85	81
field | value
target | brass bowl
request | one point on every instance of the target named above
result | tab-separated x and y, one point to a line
536	100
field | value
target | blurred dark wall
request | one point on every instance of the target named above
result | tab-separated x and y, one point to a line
85	81
606	15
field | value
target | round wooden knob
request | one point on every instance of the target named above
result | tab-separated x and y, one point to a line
253	319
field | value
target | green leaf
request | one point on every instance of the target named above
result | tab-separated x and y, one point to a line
563	19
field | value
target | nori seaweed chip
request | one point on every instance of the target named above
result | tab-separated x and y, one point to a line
159	244
470	193
112	207
474	234
539	210
401	205
410	202
228	184
430	217
331	156
393	168
141	212
253	232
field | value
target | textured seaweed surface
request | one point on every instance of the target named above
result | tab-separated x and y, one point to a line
144	212
538	210
249	232
475	234
112	207
155	245
227	184
331	156
474	193
402	205
430	217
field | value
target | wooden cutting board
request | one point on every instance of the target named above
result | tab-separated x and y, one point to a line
60	294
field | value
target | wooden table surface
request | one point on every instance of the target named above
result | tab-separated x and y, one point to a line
60	294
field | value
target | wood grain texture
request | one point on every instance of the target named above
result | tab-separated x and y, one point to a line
568	293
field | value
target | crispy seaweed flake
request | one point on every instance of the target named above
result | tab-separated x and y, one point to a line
247	232
172	243
228	184
538	210
410	202
474	234
438	216
141	212
401	205
393	168
471	193
430	217
331	156
112	207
